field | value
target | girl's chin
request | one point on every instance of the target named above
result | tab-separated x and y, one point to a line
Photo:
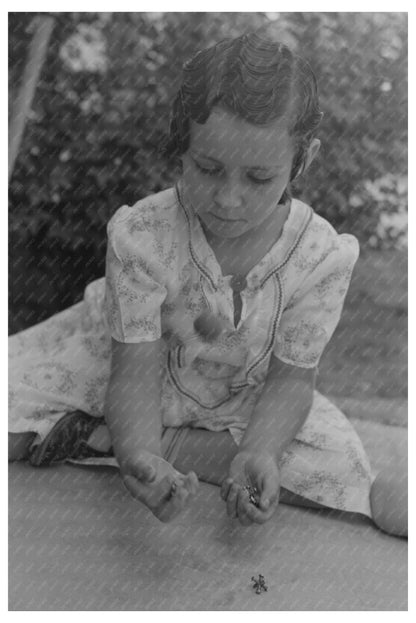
222	228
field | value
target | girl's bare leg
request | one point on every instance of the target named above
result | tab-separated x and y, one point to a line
100	439
209	455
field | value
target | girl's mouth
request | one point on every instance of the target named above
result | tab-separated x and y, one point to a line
227	220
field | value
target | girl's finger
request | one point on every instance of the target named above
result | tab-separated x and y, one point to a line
252	511
192	482
175	502
133	486
143	471
225	488
171	503
232	500
243	516
255	514
178	495
269	491
168	510
258	516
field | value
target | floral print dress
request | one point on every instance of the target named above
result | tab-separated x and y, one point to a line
161	274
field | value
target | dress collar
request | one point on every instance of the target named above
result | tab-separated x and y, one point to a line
275	259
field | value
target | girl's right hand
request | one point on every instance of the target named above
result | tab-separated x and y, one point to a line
155	482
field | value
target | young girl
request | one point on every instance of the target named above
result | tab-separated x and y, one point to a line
197	356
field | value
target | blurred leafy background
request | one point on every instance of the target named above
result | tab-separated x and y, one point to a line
101	112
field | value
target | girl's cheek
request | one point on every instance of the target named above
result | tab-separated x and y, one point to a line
206	187
200	193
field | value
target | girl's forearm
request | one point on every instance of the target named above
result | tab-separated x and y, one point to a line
132	406
133	418
279	413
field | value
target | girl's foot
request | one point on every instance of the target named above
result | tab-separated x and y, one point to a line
68	439
389	500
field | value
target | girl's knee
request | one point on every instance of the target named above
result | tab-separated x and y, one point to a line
19	445
389	501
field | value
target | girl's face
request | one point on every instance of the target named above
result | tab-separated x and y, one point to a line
235	173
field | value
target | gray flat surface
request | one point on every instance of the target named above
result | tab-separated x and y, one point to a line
79	542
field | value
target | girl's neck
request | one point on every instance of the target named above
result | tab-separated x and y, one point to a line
232	252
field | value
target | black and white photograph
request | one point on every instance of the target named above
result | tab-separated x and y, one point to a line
208	304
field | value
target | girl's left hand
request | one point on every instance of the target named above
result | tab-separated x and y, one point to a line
255	470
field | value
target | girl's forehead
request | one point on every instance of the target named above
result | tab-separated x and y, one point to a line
226	134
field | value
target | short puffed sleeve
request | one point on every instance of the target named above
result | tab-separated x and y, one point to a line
134	279
313	311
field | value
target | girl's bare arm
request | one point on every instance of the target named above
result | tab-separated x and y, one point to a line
133	416
132	409
281	409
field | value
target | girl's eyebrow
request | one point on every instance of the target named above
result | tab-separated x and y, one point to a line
254	168
195	153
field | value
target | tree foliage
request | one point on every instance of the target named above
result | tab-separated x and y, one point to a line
101	113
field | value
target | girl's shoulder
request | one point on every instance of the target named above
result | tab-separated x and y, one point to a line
320	240
156	215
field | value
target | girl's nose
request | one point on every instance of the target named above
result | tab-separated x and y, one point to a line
229	195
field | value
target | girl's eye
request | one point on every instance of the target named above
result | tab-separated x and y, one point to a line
214	171
217	171
258	180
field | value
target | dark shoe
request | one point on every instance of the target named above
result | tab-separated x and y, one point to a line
68	439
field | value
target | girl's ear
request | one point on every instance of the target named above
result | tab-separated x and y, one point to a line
307	158
311	153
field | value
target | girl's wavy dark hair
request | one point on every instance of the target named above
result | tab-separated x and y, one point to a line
258	79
